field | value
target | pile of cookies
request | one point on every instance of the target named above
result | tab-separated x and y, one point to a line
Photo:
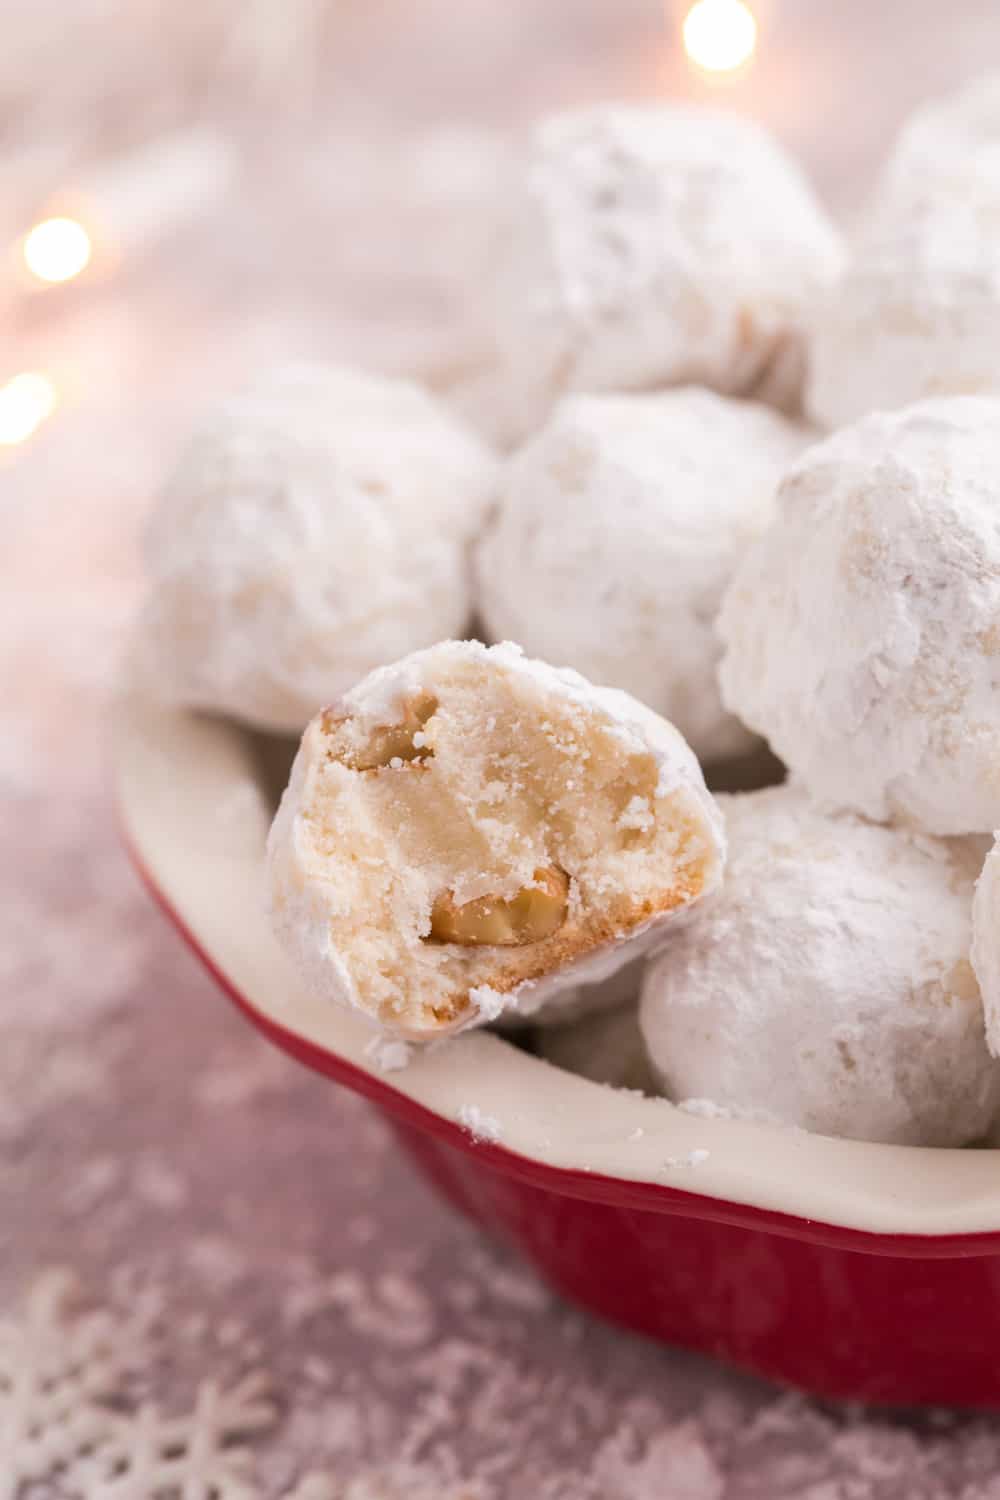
747	479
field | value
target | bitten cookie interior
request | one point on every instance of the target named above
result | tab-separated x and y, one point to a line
468	823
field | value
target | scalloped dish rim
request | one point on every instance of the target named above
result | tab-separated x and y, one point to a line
195	814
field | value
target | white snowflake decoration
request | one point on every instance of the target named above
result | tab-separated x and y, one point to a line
148	1457
60	1374
55	1370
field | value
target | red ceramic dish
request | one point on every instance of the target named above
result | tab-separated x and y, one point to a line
849	1270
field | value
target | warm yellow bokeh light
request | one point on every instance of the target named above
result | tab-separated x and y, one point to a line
25	402
57	250
720	35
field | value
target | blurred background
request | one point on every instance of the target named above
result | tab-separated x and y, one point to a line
189	191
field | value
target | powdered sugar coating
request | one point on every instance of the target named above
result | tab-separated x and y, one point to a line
828	985
655	245
619	527
947	150
318	525
916	315
357	857
986	944
861	632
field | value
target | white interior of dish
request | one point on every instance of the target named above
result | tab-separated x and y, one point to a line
196	806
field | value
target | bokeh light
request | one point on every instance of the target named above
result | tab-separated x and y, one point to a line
25	402
720	35
57	250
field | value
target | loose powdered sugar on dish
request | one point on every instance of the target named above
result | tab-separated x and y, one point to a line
693	1158
708	1109
481	1126
390	1055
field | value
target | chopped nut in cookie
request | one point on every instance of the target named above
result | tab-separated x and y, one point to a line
465	823
537	911
387	747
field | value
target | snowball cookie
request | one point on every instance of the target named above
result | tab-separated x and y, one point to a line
317	526
916	315
986	944
606	1048
862	631
829	984
947	149
618	529
467	829
655	245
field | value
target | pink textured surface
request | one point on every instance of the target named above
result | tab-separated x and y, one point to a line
146	1136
